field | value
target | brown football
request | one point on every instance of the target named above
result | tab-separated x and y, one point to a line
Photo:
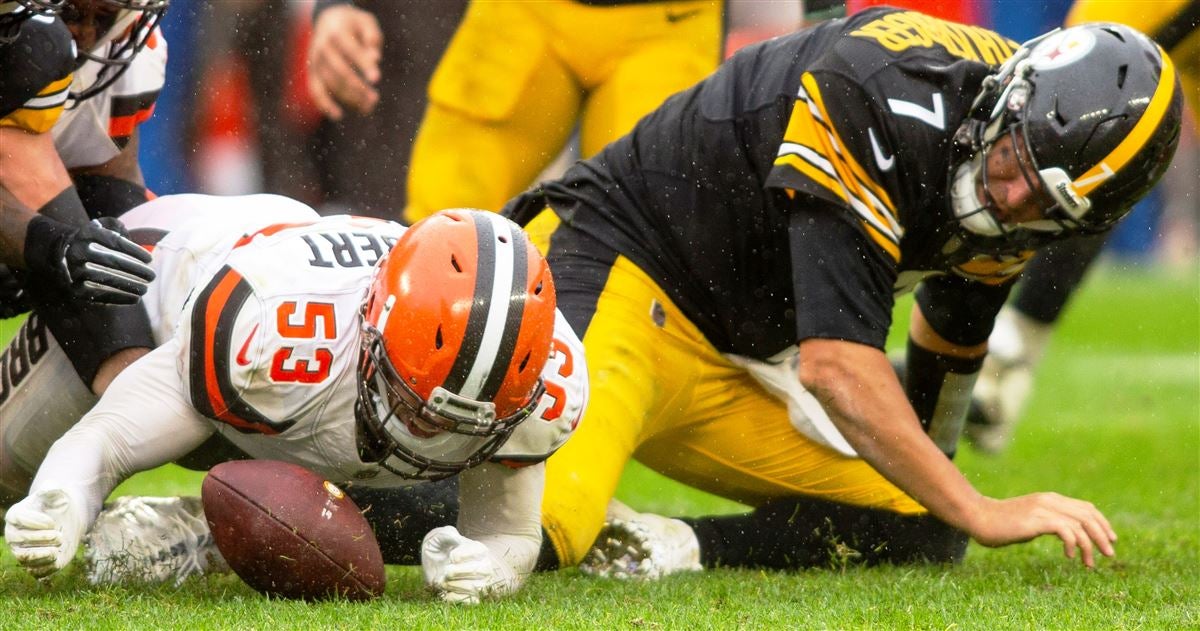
289	533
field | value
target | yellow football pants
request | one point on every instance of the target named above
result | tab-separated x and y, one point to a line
662	394
518	75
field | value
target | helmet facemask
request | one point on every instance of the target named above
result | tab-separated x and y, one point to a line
976	213
456	330
426	439
122	29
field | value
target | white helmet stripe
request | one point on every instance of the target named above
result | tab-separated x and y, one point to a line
501	249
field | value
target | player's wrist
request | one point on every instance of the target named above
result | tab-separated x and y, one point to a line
45	240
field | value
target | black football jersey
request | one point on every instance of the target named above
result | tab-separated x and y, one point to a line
791	193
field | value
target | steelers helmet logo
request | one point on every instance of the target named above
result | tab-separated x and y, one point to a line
1062	49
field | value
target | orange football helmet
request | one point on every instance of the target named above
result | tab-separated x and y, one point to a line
457	327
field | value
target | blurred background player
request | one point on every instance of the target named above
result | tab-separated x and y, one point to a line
1024	326
70	151
384	382
518	77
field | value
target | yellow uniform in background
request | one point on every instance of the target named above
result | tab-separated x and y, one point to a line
517	77
1174	24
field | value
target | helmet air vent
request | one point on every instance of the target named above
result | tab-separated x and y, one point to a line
438	342
1121	72
1114	32
454	263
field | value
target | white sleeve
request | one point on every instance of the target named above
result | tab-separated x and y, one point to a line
501	508
142	421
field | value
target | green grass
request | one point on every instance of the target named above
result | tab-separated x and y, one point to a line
1115	419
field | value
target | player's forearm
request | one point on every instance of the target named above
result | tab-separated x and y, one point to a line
30	168
501	508
859	390
141	422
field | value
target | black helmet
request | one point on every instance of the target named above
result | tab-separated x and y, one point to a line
1095	112
127	29
14	12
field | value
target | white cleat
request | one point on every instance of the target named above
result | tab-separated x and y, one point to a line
641	546
999	398
1005	382
150	540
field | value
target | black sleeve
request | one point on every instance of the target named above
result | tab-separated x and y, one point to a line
325	4
41	54
843	286
960	310
106	196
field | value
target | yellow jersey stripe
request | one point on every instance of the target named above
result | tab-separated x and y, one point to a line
881	234
812	172
33	121
57	86
860	174
1133	143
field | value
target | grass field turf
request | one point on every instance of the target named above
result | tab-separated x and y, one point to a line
1115	419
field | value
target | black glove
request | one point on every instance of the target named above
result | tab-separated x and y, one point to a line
94	262
14	300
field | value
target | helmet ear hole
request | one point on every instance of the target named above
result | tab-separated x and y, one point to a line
438	342
537	291
524	362
1121	72
454	263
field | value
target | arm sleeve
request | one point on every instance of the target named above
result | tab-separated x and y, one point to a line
502	508
142	421
843	286
960	310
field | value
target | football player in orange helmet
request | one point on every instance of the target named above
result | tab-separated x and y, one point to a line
365	351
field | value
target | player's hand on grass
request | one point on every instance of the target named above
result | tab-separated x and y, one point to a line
463	570
343	61
43	531
1079	524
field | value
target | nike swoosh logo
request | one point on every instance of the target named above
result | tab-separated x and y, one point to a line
242	360
885	162
679	17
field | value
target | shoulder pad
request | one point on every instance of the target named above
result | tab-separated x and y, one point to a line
561	408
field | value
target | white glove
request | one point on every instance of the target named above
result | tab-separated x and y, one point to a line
463	570
44	530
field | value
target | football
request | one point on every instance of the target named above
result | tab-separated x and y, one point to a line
289	533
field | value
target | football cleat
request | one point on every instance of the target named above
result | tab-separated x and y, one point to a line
641	546
150	540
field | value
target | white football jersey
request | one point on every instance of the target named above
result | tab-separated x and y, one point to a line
271	343
94	131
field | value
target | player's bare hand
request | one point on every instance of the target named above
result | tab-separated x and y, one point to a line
343	61
1081	526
